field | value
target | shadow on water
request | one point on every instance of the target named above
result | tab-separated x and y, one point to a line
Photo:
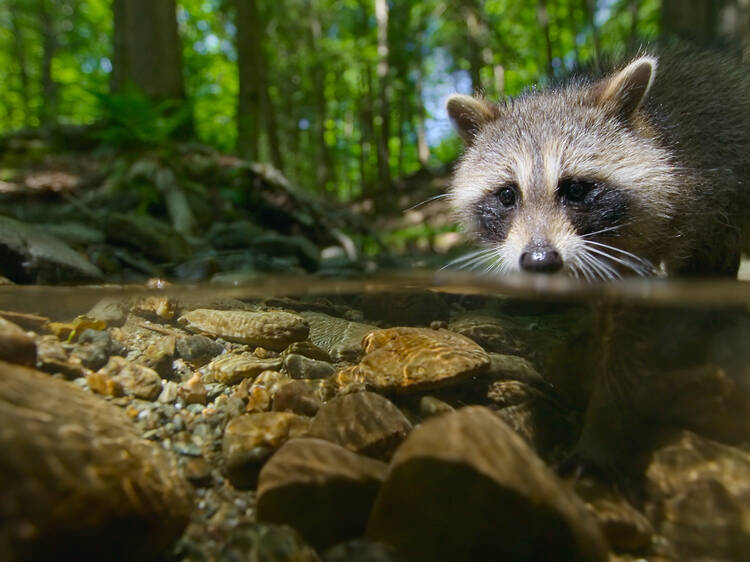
598	379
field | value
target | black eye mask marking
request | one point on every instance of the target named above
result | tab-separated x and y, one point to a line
591	205
493	213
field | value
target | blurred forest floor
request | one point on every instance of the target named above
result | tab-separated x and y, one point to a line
73	210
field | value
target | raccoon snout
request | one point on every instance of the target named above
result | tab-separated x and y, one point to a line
541	259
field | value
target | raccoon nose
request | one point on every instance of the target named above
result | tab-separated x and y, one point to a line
541	260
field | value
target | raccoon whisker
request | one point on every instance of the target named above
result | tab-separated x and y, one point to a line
428	200
603	230
638	259
500	265
638	265
576	271
588	273
467	261
634	266
624	262
605	271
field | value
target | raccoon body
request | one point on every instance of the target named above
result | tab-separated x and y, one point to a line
641	171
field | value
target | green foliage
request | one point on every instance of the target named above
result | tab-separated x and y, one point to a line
131	119
321	59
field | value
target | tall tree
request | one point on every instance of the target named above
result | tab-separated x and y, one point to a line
19	50
49	46
251	77
384	116
543	17
255	109
147	51
324	164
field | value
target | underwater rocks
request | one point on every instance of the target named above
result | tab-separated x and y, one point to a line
340	338
251	438
273	330
413	359
321	489
467	478
16	346
363	422
138	380
231	369
78	481
400	443
698	497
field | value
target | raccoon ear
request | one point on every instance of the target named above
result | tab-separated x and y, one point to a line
624	92
469	114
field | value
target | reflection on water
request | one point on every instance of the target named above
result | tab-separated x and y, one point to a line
636	393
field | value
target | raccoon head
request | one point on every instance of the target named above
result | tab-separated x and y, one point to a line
548	175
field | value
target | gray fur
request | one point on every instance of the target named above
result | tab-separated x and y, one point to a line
668	140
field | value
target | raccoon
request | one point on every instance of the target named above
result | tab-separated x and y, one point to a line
640	171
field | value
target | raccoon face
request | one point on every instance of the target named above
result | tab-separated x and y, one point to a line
547	177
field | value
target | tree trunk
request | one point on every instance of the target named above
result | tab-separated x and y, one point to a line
476	36
272	130
423	149
250	69
633	6
147	51
49	46
384	168
542	14
367	131
20	54
324	162
589	10
695	21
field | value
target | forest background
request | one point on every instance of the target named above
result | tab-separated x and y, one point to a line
344	97
341	96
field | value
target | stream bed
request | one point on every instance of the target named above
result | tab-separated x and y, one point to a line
429	416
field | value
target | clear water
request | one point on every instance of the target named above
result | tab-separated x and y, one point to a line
635	360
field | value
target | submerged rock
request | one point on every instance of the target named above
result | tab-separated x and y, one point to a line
16	346
411	359
625	527
79	483
301	367
340	338
544	423
250	439
363	422
274	329
138	380
297	397
698	497
231	369
267	543
464	486
321	489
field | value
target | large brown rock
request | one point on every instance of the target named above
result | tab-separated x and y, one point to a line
363	422
274	329
698	497
250	439
412	359
321	489
464	486
78	481
16	346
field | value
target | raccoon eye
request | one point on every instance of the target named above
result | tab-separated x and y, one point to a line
574	191
507	196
